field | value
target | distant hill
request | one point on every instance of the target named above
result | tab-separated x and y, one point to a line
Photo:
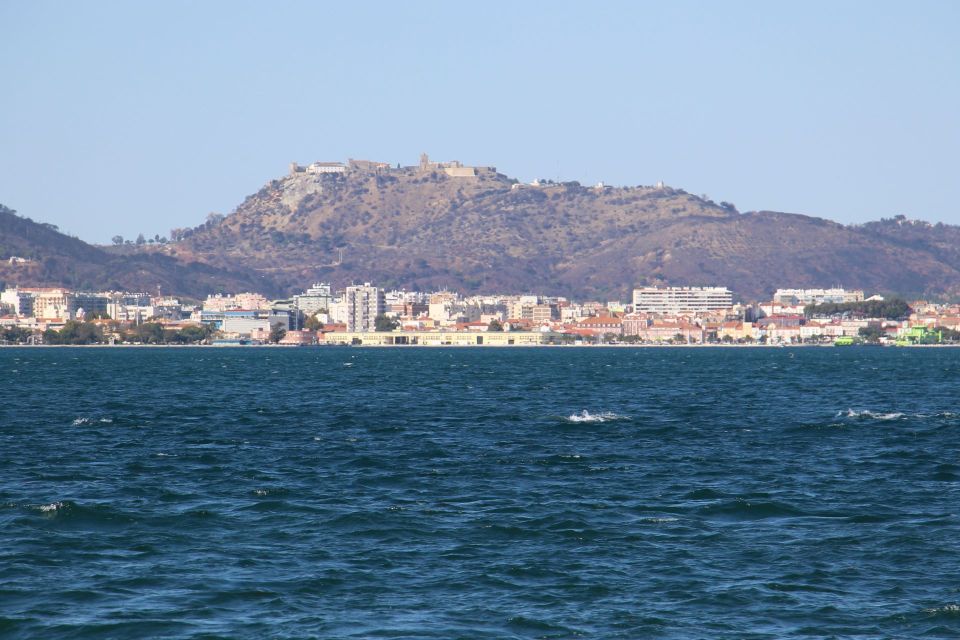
36	254
479	231
421	228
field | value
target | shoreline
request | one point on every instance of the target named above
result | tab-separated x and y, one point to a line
469	346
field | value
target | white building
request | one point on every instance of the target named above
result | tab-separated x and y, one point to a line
19	301
246	301
326	167
130	312
803	297
673	300
337	311
364	304
317	297
245	325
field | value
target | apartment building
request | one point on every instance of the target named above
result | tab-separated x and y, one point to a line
676	300
364	303
317	297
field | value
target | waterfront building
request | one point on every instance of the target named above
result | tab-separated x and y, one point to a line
676	300
632	323
244	322
812	330
438	338
783	333
299	338
735	330
364	303
599	326
672	332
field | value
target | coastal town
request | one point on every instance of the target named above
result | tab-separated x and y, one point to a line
365	314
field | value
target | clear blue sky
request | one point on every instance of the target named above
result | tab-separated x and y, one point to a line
122	117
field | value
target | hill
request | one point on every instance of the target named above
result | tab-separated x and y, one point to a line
423	228
37	254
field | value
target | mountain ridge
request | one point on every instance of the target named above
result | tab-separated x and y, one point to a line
34	254
475	230
419	227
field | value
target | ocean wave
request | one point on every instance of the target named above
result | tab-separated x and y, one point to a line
851	415
586	416
82	421
742	509
53	507
946	610
871	415
658	519
270	491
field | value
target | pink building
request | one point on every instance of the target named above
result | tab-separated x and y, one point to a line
299	338
669	331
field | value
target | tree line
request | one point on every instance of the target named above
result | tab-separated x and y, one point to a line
892	309
79	333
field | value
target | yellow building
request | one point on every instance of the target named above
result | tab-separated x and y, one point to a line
735	330
53	304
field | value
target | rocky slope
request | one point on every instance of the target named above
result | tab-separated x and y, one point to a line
36	254
421	228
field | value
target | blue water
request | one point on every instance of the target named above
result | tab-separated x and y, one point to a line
464	493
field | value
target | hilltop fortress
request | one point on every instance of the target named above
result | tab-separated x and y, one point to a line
453	168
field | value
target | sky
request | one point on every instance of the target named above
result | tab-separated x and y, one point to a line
119	118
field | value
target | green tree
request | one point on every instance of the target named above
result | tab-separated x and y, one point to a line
495	325
74	332
16	335
147	333
313	324
117	239
892	309
951	335
277	331
194	334
383	323
871	333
